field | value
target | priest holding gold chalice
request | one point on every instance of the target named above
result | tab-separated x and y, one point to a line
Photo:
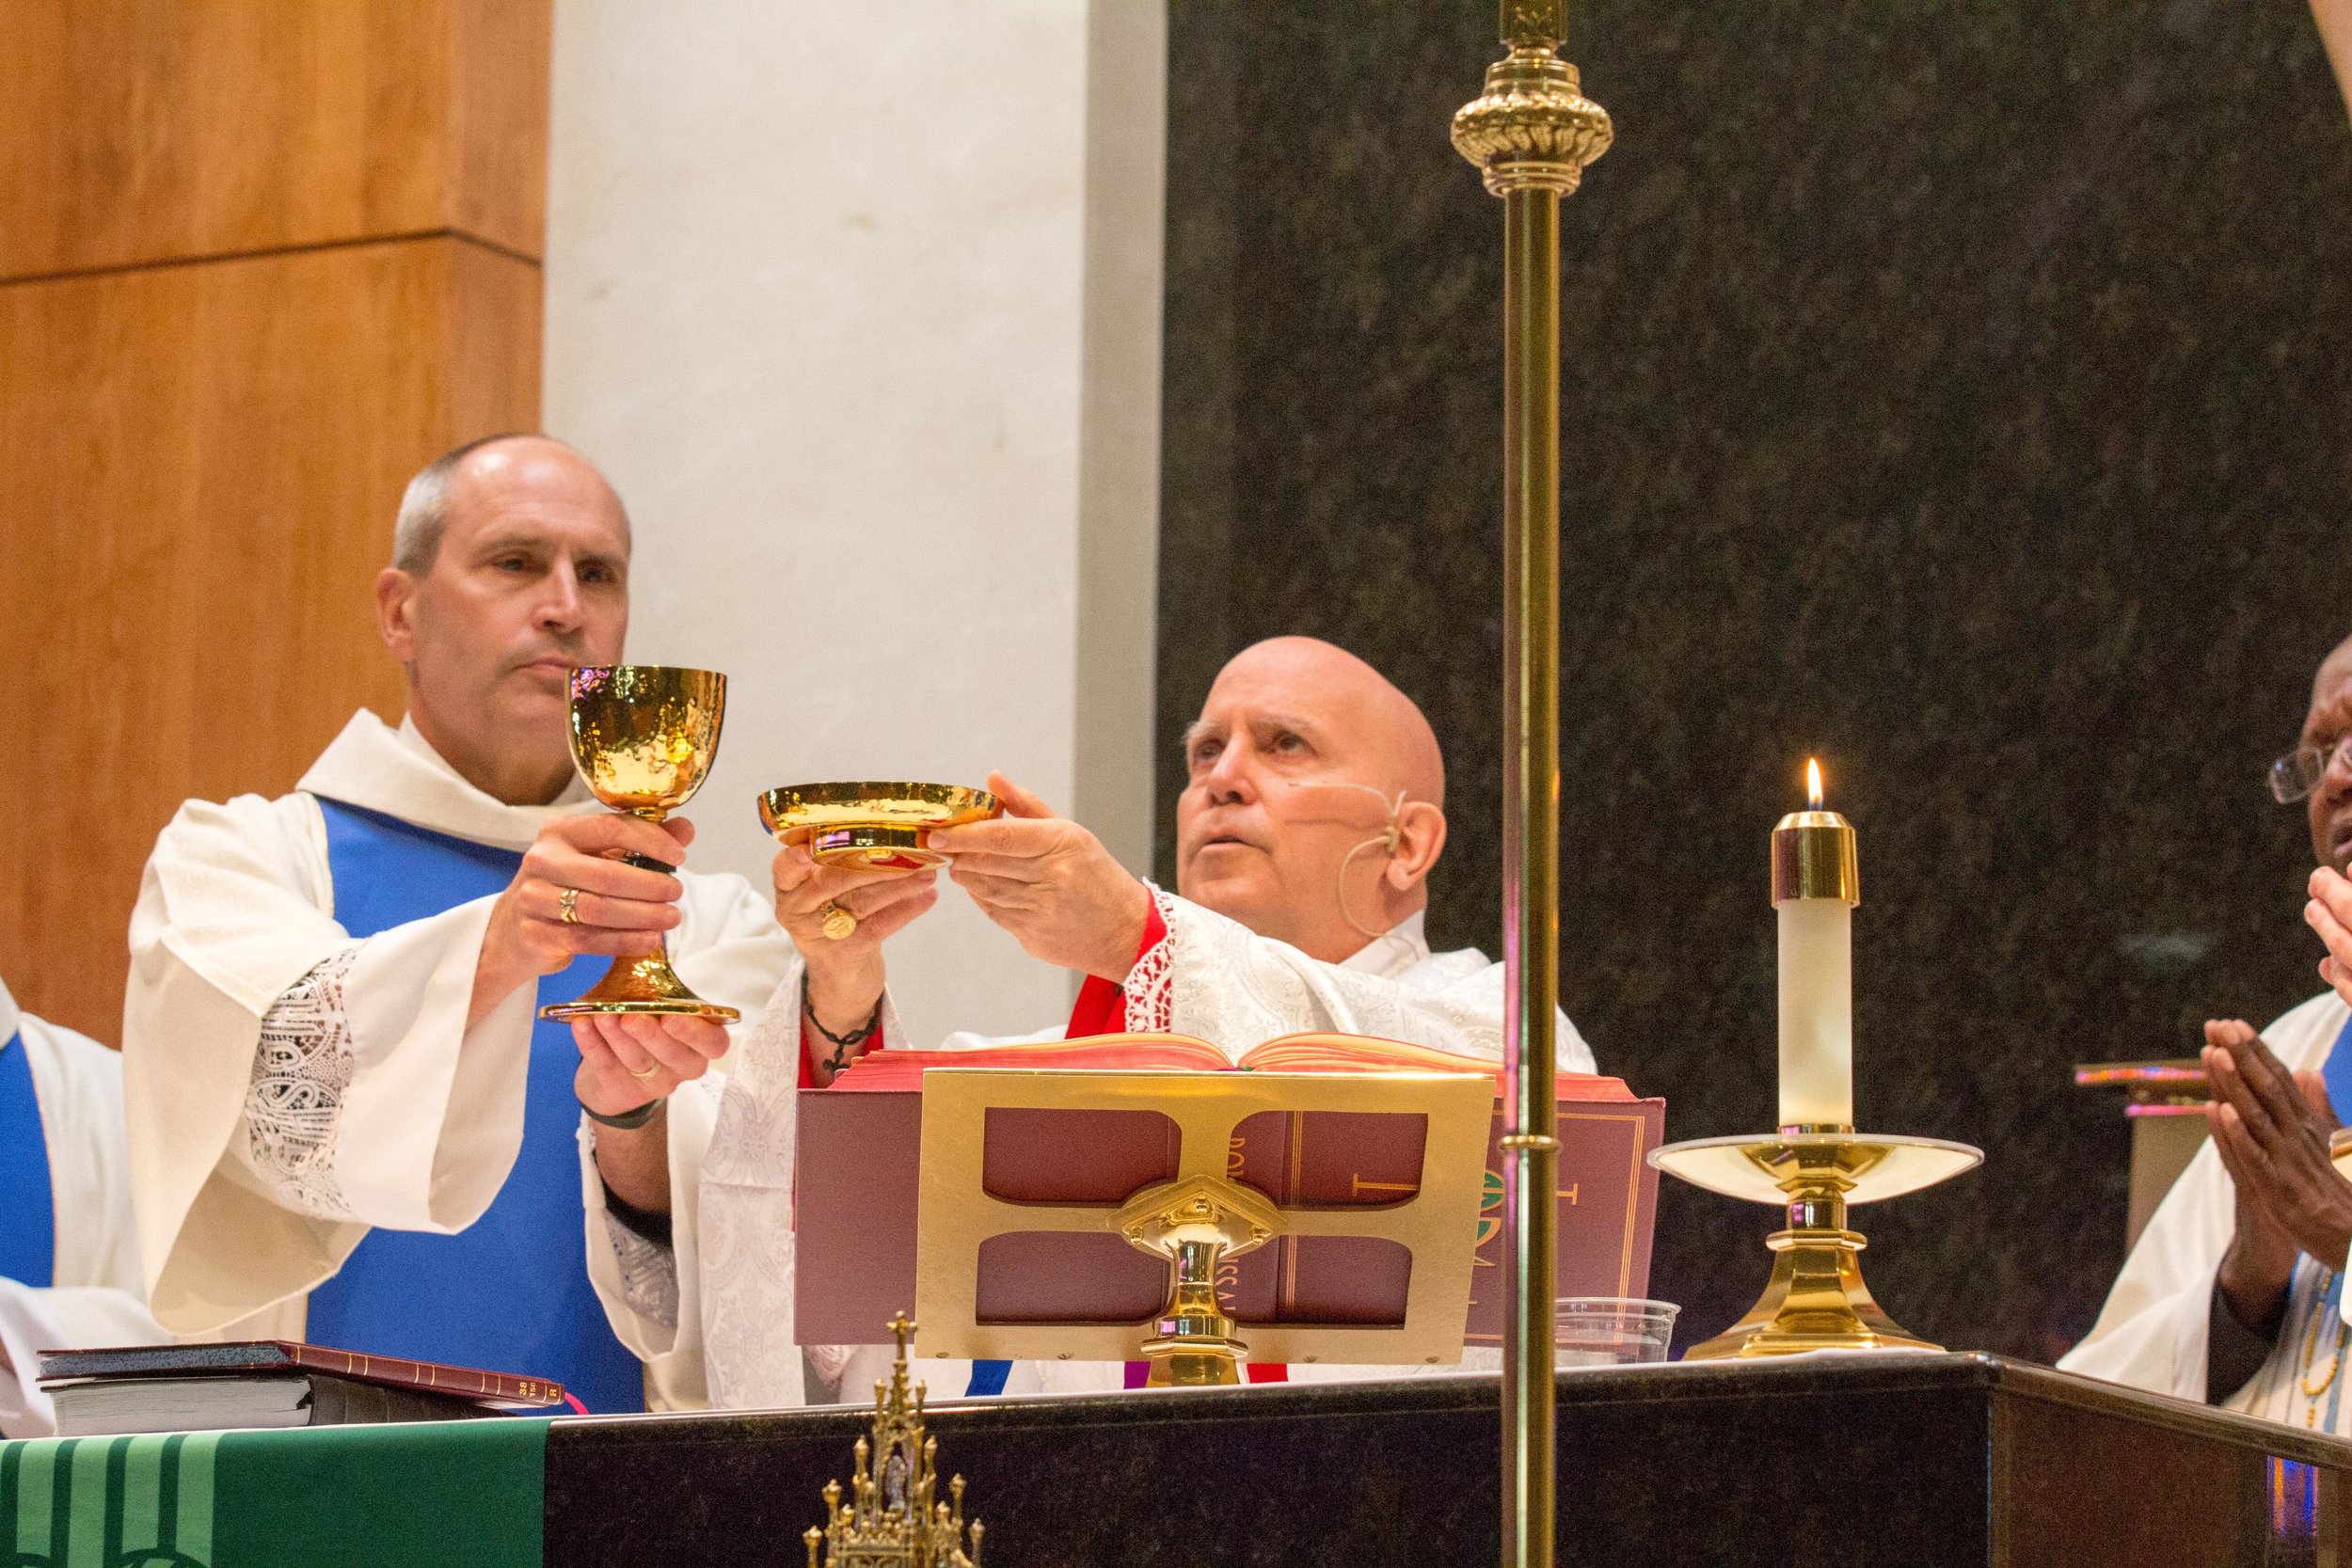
368	1103
1313	818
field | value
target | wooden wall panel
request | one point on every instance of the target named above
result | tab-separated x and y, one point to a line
135	131
198	469
500	65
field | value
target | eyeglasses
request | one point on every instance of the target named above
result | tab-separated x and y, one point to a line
2293	777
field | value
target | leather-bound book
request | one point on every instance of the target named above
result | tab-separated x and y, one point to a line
268	1383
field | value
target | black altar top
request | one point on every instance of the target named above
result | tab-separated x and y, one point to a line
1910	1460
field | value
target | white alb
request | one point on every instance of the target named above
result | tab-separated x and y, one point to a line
289	1086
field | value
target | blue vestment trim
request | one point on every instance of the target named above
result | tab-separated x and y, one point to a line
28	1212
2335	1074
511	1291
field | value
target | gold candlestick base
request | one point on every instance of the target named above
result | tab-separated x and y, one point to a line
1816	1299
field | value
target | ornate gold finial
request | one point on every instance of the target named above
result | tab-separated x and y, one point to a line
1532	129
892	1518
1541	23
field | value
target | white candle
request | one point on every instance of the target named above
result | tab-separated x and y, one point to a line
1816	886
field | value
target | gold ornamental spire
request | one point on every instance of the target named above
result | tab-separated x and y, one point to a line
892	1517
1531	134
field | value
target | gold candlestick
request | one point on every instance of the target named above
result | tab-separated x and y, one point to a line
1816	1167
1531	134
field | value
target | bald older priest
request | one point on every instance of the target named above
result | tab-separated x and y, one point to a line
1304	839
346	1122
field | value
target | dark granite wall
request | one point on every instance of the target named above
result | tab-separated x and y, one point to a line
1955	391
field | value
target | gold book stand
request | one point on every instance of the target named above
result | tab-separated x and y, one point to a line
1201	1219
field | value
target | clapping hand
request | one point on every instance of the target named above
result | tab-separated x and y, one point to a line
2272	1129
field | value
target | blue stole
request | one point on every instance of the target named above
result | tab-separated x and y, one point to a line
2335	1073
28	1215
511	1291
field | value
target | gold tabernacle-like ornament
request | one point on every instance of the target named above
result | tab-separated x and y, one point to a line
891	1518
871	823
644	735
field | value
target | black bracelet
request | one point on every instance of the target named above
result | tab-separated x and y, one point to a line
627	1120
842	1044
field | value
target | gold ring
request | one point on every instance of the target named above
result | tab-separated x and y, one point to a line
648	1073
839	921
569	898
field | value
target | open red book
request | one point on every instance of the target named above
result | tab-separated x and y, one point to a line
858	1176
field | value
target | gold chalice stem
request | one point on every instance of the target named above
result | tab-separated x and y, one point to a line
651	814
645	983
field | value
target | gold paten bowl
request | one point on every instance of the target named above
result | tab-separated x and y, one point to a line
871	823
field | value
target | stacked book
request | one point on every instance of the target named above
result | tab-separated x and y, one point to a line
268	1383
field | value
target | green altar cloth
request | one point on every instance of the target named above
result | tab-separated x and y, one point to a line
443	1493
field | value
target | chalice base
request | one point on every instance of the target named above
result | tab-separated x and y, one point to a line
643	985
1816	1300
872	844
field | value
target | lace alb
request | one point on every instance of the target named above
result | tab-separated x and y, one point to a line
294	1103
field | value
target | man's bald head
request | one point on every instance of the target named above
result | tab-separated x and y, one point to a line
1296	767
425	505
1322	677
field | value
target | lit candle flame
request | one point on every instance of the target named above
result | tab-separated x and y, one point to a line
1812	783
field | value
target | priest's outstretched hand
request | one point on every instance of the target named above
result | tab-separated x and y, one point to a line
1050	882
2271	1127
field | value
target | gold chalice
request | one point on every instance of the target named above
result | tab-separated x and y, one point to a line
644	736
871	823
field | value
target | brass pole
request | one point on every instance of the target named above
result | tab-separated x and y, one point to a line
1531	134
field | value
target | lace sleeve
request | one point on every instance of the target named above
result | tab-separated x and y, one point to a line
294	1105
1149	984
648	1273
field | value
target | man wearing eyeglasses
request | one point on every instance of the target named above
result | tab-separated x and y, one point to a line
2234	1294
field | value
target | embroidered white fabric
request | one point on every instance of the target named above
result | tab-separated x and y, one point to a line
1147	986
649	1274
746	1210
301	1070
1236	988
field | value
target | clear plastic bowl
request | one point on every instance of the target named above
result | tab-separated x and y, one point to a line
1611	1331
